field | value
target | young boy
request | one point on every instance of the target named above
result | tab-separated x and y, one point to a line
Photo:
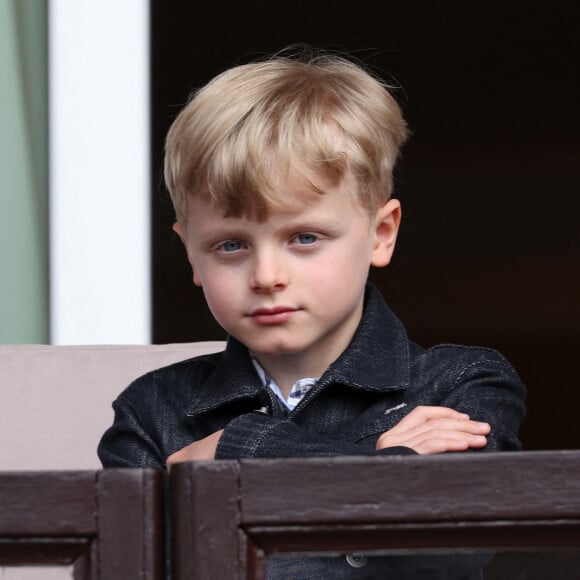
280	173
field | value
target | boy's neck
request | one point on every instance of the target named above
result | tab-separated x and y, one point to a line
312	362
286	369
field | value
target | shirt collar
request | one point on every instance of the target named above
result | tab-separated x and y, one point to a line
297	392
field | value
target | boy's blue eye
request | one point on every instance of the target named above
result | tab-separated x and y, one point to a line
231	246
306	239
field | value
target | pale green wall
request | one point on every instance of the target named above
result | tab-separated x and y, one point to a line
23	172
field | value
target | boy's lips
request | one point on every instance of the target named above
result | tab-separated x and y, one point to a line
275	315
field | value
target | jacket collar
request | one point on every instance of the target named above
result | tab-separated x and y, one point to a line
377	359
233	379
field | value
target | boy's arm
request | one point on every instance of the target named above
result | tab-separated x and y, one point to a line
425	430
259	435
126	443
431	430
482	384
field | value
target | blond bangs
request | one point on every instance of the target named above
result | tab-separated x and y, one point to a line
325	116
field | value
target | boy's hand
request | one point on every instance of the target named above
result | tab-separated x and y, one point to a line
201	450
429	430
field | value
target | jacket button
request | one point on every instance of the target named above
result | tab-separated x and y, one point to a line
357	560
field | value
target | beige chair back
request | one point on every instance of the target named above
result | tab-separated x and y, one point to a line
55	401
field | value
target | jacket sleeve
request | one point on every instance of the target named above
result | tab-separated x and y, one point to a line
126	443
484	385
476	381
260	435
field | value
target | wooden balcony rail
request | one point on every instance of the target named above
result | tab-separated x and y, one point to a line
228	516
106	524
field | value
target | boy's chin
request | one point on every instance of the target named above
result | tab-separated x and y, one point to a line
274	350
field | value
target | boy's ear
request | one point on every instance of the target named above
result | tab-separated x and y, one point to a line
387	222
179	229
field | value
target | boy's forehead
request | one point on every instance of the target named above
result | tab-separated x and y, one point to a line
281	190
289	194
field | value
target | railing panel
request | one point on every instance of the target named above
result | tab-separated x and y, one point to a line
130	524
47	503
209	503
482	503
232	519
510	485
107	524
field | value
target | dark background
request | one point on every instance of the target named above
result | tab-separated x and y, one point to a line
489	251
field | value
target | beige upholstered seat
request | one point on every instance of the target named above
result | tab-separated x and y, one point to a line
55	401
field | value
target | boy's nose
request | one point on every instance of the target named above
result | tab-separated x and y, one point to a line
268	274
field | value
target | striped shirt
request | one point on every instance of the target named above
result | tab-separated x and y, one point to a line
297	392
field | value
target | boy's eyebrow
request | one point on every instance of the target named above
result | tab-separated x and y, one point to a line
292	225
218	233
306	224
319	220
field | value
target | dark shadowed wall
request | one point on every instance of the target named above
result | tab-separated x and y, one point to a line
489	251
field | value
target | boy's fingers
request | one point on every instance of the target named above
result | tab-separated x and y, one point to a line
202	450
471	439
180	456
460	425
449	442
433	438
433	446
429	434
443	441
422	419
423	413
429	430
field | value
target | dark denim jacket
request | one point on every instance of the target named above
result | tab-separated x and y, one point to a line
376	381
379	378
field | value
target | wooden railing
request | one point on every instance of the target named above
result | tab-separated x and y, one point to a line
230	517
107	525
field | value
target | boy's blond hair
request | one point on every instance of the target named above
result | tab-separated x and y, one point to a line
323	114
